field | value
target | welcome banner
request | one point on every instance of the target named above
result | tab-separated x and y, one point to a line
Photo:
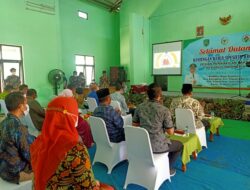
217	61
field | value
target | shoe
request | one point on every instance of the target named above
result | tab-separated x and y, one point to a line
172	172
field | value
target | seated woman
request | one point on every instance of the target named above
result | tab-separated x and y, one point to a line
59	160
82	127
84	131
15	164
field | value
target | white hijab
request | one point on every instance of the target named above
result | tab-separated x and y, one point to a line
66	93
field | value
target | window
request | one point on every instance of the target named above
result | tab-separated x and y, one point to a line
83	15
86	65
10	57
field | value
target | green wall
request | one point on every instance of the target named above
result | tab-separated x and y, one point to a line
51	41
169	20
174	21
98	36
134	39
38	34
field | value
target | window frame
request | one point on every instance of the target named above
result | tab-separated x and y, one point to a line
21	72
86	65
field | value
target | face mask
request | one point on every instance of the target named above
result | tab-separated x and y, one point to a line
76	124
26	112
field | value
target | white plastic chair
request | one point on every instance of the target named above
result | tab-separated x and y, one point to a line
145	168
26	120
26	185
107	152
115	104
127	120
3	107
185	117
92	104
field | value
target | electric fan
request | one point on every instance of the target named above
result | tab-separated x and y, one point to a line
56	78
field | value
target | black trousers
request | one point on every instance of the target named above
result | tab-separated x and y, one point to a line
131	111
175	149
206	124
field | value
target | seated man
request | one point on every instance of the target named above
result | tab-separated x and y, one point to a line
93	88
156	119
112	118
15	164
118	96
23	89
187	102
37	113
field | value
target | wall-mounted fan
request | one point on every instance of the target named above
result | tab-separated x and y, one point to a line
56	78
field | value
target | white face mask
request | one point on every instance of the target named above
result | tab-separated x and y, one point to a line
76	124
26	112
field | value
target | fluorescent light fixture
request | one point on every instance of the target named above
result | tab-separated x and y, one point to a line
83	15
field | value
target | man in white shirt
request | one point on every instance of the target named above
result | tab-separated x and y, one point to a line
118	96
192	78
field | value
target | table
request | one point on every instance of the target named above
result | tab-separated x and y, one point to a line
215	122
191	146
139	89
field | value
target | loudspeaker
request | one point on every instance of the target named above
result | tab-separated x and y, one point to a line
162	80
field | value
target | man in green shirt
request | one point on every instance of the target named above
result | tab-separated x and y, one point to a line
13	79
37	113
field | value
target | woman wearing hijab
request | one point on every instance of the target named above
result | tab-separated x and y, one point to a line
82	127
58	159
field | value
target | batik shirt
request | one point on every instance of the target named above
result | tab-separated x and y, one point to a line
104	82
74	172
73	80
14	149
187	102
13	80
120	98
113	121
155	118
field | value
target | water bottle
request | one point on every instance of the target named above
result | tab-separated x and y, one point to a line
212	114
186	131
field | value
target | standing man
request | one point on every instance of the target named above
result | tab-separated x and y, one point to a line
104	81
73	79
13	79
81	81
157	120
